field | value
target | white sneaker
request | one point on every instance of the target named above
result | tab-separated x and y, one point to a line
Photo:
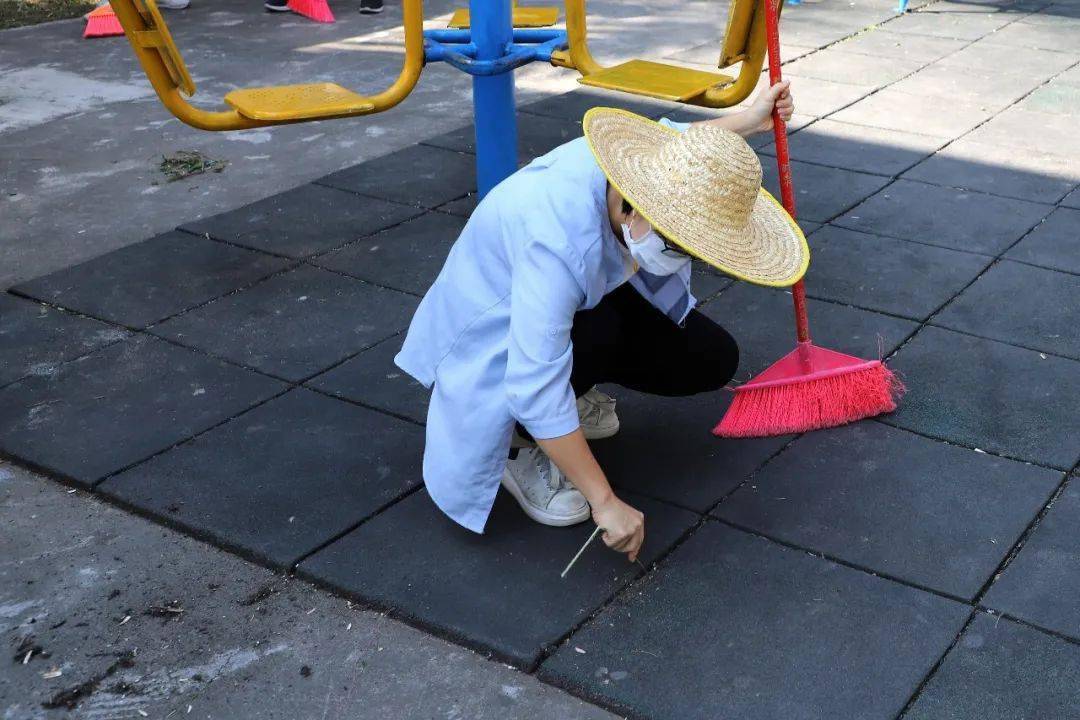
596	411
542	491
173	4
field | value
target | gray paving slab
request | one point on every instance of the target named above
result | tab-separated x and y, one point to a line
987	88
463	206
36	338
281	480
1016	128
699	640
762	322
537	135
1001	670
837	65
679	460
422	175
706	281
947	217
886	274
407	257
295	324
1042	312
970	25
992	51
119	405
990	395
859	147
822	193
303	221
371	378
1054	244
90	593
931	514
144	283
998	170
1056	37
1040	584
817	97
1057	98
895	110
499	592
882	43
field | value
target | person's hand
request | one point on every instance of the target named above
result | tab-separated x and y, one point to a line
624	526
778	96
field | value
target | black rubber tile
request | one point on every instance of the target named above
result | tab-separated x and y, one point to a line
1072	200
678	460
1054	244
573	105
500	591
303	221
734	626
1041	308
822	193
371	378
463	206
706	281
119	405
762	322
945	217
35	338
857	147
407	257
931	514
277	482
886	274
295	324
990	395
1001	670
537	135
1042	583
149	281
417	175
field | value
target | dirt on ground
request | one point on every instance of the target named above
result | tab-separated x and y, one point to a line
16	13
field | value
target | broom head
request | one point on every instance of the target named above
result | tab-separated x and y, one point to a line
102	22
808	389
317	10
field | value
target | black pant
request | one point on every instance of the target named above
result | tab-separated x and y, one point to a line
626	341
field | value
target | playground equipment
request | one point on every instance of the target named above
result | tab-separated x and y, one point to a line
488	41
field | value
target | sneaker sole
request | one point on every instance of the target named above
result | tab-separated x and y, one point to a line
598	433
270	8
539	515
368	11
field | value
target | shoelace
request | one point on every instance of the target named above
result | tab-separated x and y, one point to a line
549	472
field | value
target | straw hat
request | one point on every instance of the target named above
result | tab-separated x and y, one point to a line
702	191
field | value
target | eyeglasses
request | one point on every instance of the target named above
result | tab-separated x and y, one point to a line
672	250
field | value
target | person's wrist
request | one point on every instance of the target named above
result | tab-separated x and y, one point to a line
600	498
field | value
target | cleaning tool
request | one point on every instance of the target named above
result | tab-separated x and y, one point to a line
102	22
317	10
811	387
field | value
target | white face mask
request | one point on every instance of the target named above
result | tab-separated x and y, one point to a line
652	254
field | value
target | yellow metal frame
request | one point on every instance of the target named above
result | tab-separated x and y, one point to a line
149	36
744	41
522	17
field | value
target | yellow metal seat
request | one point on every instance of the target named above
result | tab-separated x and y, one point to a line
523	17
658	80
298	102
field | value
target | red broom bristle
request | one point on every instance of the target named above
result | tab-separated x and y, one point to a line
317	10
802	406
102	22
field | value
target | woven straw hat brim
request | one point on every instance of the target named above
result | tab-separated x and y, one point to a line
767	249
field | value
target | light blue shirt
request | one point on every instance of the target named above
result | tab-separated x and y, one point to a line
492	334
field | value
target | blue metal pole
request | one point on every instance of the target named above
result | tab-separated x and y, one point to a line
493	96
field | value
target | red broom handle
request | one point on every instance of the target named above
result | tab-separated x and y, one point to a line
783	161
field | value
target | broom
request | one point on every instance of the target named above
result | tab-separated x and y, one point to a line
102	22
317	10
810	387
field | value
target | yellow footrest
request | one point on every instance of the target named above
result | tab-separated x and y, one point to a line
667	82
298	102
524	17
